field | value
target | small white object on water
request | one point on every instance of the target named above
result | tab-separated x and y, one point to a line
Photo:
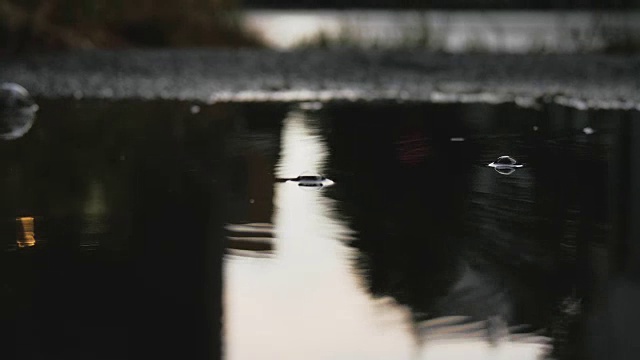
505	165
535	128
457	139
588	130
312	181
195	109
17	111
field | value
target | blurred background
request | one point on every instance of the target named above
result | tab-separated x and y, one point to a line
507	26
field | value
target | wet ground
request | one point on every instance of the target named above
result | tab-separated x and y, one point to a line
244	75
153	228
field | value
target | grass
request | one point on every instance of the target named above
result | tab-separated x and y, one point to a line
35	25
349	36
604	35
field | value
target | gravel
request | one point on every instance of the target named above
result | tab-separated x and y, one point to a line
209	76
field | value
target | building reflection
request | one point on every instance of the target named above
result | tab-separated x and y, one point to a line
305	301
132	199
250	239
252	155
448	237
410	237
314	280
418	246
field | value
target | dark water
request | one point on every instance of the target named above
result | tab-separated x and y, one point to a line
161	230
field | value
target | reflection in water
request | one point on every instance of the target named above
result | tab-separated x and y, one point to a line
26	232
447	237
17	111
140	195
478	349
255	239
308	300
302	150
419	251
305	303
95	221
505	165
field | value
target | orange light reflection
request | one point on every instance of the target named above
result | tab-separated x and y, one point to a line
25	235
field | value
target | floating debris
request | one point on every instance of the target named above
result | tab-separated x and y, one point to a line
505	165
195	109
17	111
457	139
312	181
588	130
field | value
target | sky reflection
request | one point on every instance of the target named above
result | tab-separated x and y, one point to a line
307	300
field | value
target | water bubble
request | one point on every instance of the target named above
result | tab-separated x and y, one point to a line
505	165
505	160
505	170
17	111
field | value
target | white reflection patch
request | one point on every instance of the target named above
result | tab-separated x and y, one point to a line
306	302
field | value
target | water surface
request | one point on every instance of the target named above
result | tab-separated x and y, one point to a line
160	230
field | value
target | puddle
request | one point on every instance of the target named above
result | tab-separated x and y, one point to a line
153	217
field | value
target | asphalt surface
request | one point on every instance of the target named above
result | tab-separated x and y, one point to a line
594	81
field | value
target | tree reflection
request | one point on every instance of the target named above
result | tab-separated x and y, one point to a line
405	192
442	233
129	201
